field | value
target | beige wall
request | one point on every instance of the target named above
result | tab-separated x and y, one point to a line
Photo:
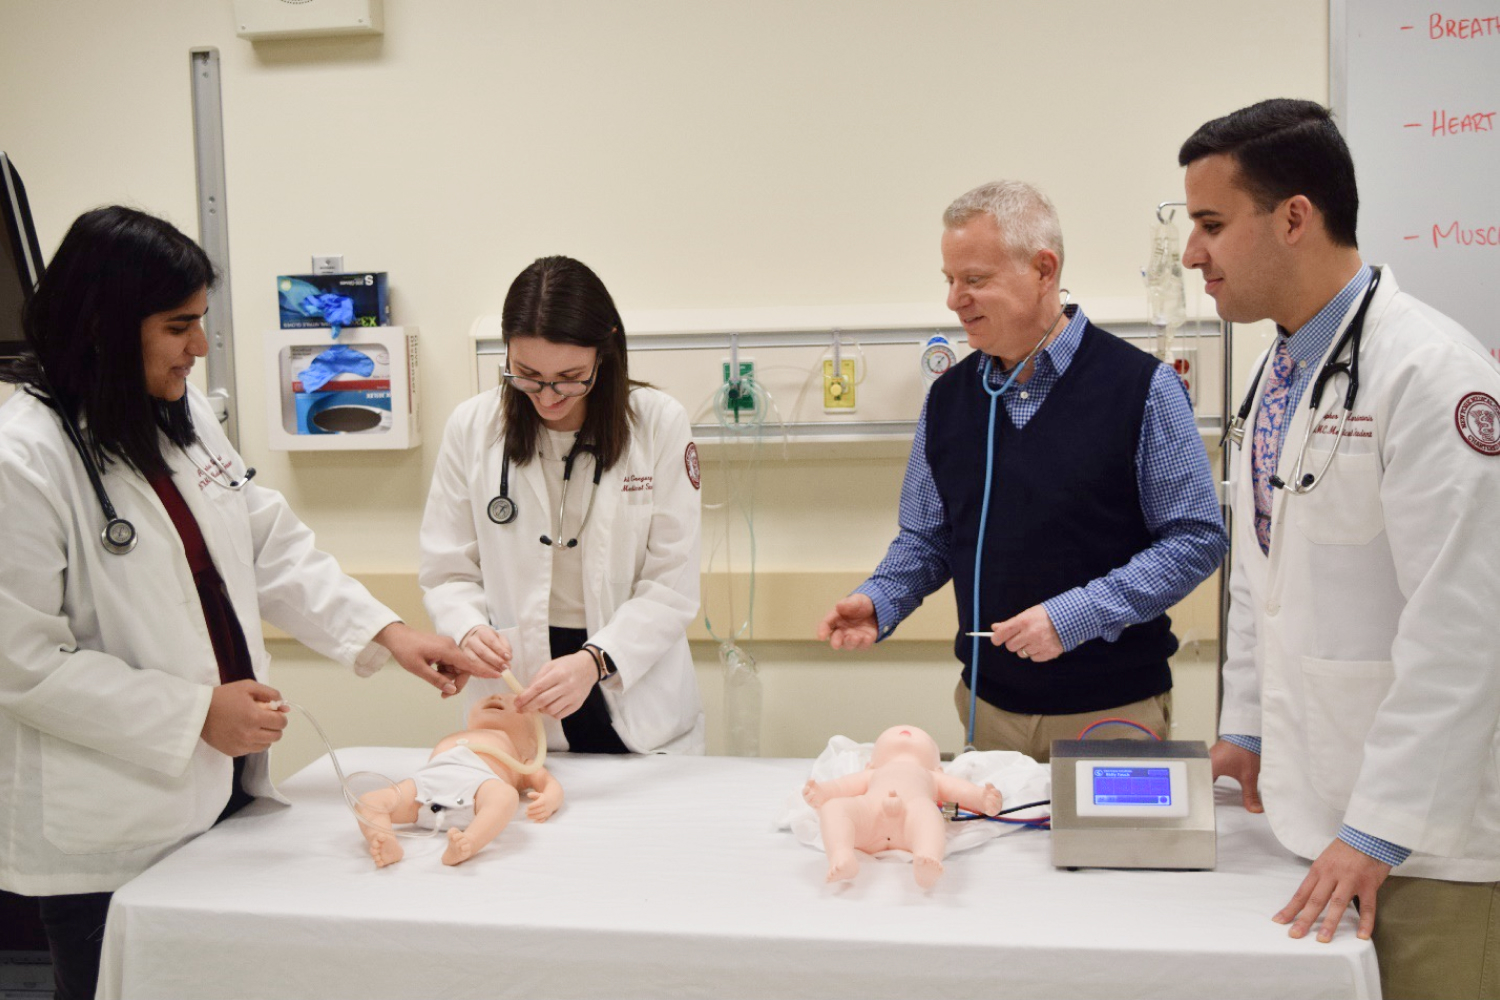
697	154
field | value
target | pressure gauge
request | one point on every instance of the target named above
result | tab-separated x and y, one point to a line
937	357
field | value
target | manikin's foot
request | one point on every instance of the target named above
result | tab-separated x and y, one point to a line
460	848
842	867
385	849
927	871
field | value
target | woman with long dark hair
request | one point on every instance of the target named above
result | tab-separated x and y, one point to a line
562	526
140	561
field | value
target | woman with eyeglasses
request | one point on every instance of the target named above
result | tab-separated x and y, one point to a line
561	533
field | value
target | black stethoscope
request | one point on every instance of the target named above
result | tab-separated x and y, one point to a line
119	535
1353	336
502	509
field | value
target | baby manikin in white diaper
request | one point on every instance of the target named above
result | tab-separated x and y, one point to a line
471	785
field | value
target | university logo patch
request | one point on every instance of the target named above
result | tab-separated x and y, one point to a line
1478	420
690	459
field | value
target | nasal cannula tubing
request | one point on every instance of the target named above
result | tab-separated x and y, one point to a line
352	800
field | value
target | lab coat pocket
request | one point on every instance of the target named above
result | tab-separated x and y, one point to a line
635	524
231	521
1344	508
93	803
1342	698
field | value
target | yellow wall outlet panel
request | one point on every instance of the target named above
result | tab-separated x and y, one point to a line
838	387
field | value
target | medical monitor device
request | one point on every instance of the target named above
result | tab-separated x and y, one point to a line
20	259
1132	804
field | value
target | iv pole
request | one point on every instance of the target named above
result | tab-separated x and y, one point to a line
213	233
1222	487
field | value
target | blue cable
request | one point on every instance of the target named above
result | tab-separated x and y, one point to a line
984	516
984	509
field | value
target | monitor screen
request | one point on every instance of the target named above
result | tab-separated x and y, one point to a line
1136	788
20	258
1132	786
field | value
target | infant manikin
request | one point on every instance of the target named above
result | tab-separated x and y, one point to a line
472	784
894	804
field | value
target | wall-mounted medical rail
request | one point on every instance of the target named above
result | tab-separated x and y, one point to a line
722	341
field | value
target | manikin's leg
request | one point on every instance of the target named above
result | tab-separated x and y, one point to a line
494	804
927	840
379	809
839	819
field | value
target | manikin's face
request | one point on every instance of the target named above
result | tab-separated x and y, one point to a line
996	297
905	741
498	712
537	358
170	342
1233	242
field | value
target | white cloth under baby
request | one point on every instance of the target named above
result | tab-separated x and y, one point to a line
1019	779
446	787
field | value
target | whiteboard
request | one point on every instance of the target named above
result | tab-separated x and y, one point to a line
1416	88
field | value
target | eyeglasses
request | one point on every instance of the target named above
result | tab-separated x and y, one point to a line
566	387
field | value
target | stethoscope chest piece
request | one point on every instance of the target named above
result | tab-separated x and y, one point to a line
502	510
119	536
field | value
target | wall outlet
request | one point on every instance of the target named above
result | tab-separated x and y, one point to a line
740	399
838	387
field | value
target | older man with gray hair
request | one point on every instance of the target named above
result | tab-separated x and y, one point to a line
1057	477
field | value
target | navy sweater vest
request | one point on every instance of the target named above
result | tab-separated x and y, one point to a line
1064	509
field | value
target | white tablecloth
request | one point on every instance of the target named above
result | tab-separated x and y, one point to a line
664	876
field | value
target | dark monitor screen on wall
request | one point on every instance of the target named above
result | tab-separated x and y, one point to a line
20	258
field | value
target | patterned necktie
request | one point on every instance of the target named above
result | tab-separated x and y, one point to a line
1265	447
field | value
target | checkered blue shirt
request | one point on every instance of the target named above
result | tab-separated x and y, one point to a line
1178	502
1307	347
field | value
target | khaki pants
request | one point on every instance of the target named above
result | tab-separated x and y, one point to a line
997	729
1438	939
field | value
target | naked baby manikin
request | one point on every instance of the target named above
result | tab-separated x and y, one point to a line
894	804
472	784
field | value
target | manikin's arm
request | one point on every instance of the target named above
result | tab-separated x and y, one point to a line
546	796
986	800
815	793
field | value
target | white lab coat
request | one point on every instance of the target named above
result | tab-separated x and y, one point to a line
1364	650
640	564
106	667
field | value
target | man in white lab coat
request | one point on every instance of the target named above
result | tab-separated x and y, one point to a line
1361	685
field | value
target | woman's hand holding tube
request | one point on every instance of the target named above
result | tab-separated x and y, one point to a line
419	652
241	719
488	646
560	688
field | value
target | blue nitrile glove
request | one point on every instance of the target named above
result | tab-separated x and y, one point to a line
332	362
335	310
